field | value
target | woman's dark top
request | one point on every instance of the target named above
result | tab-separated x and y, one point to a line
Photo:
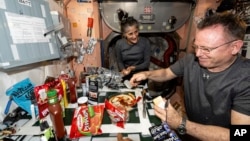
137	55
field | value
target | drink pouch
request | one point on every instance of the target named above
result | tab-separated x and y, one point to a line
163	132
22	94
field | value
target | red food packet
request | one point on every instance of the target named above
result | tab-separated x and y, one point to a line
70	88
57	85
42	101
85	123
41	96
118	115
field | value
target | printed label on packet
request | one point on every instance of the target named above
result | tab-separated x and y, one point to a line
163	133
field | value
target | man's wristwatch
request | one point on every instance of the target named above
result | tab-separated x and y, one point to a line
182	127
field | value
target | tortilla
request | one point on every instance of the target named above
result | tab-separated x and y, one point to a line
123	100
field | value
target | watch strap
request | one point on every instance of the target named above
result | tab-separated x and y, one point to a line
183	121
182	127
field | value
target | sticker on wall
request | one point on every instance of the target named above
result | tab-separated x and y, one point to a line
14	52
25	2
74	25
2	4
43	11
33	27
116	20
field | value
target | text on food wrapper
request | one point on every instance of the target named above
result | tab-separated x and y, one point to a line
86	120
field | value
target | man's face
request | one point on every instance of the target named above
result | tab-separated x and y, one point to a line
131	34
213	48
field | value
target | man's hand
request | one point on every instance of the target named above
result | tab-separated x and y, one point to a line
169	114
137	78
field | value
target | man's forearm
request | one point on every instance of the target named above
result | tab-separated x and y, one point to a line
158	75
207	132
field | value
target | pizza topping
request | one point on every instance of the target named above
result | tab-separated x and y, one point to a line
123	100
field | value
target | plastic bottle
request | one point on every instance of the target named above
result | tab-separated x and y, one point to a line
56	115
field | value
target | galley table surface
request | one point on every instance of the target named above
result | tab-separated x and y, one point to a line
137	128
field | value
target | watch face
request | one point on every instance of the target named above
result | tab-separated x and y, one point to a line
181	129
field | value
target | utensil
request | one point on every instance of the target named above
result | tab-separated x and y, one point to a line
167	103
166	106
144	104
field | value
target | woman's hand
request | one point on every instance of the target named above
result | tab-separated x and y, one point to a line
125	72
128	70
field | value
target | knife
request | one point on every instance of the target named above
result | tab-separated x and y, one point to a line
144	111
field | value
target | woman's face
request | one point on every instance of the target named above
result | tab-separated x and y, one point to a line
131	34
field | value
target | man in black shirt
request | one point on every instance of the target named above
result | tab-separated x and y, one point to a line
216	81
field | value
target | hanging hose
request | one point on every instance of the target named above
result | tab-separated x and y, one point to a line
168	88
167	54
101	35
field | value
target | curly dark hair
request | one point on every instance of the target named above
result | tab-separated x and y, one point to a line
130	21
126	20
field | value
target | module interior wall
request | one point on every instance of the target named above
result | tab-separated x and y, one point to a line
78	14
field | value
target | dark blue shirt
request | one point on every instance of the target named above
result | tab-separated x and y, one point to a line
137	55
210	96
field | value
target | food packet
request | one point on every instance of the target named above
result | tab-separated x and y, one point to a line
163	132
22	93
41	96
69	83
86	121
57	85
117	114
42	101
